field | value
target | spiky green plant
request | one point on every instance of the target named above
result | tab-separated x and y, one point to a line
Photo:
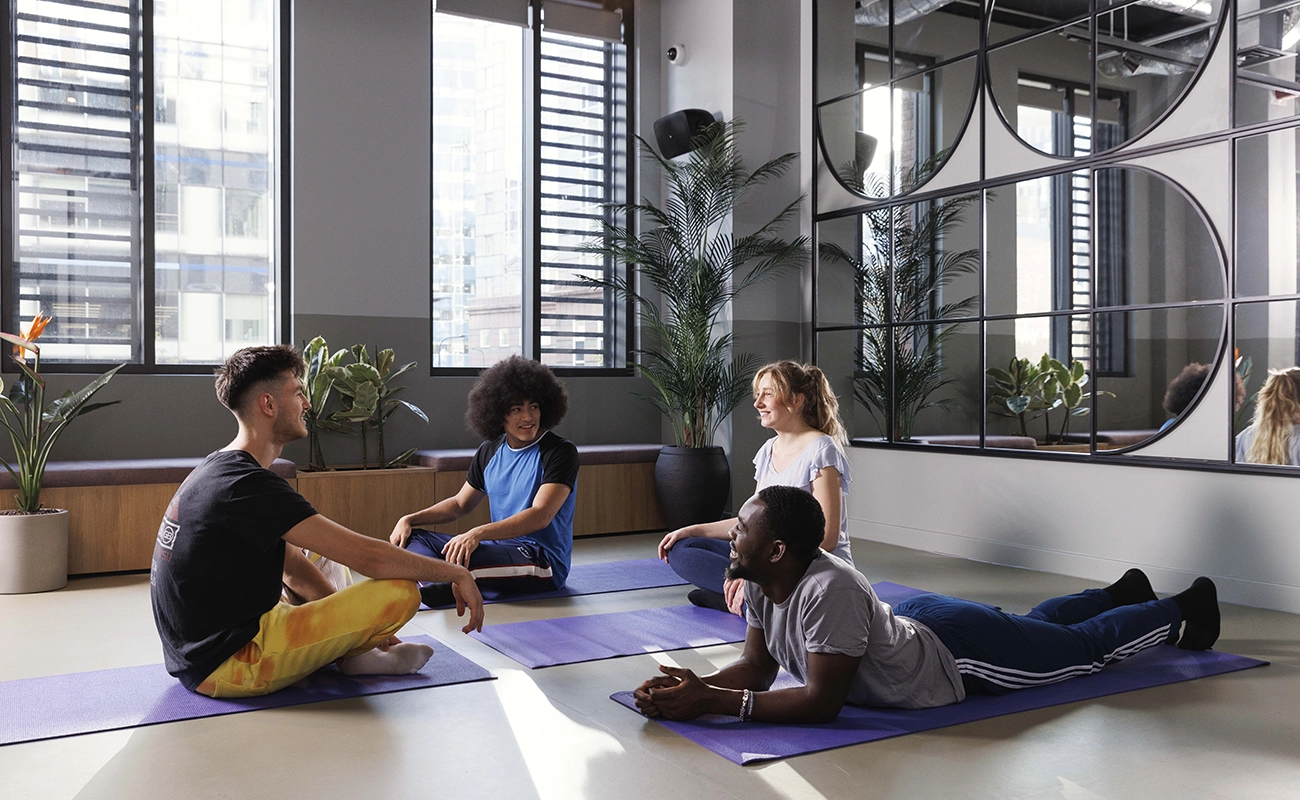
34	425
900	273
697	266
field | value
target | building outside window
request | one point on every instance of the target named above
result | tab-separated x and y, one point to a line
146	162
529	146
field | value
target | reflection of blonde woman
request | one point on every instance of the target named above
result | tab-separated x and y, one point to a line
1274	435
796	402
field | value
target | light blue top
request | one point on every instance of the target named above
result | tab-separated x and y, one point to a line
820	453
1247	436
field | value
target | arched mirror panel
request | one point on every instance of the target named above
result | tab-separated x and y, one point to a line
1123	67
1151	367
893	100
1084	308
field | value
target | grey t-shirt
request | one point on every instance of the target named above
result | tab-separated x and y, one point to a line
833	609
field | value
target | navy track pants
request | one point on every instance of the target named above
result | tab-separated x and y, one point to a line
1062	638
701	560
501	566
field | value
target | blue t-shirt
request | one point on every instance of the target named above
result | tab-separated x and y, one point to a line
510	478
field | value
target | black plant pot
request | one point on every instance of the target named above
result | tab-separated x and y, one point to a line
692	484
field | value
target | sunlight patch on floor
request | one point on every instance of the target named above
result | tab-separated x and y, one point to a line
556	749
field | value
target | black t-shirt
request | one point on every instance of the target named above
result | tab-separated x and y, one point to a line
218	564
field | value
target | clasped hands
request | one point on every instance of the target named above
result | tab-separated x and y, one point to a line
678	694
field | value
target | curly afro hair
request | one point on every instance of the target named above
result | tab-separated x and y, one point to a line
795	517
1183	388
508	382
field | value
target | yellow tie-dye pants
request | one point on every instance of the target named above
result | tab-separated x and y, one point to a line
295	641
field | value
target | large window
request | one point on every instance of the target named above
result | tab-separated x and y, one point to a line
143	213
529	128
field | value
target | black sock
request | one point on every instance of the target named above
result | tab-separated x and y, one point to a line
1131	589
437	594
1199	604
707	598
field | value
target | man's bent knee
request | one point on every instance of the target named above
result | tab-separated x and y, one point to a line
400	599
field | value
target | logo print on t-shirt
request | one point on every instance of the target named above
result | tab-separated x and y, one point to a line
167	533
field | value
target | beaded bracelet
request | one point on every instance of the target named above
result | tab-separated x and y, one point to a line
746	705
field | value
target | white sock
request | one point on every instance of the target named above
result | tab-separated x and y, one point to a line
400	659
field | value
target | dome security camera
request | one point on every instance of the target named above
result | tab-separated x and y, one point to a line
676	54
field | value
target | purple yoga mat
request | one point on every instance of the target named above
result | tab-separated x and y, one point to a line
110	699
610	576
569	640
747	742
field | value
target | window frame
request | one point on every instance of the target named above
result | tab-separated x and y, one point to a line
531	274
144	299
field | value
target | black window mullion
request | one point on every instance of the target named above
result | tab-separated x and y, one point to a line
146	315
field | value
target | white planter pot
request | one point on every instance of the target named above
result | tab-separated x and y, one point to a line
33	552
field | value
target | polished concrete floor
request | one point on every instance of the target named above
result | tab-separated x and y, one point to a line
552	733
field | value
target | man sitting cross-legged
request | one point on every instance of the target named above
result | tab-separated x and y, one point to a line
819	619
220	561
528	474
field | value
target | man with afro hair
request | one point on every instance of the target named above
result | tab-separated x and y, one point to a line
530	476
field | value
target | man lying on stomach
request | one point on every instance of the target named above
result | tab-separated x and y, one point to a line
819	619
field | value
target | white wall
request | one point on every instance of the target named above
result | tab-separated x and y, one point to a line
1088	520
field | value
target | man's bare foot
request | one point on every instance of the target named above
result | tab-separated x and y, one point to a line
400	659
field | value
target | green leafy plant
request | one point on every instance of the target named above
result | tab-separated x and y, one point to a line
910	240
366	384
317	385
696	266
1017	391
33	425
1027	391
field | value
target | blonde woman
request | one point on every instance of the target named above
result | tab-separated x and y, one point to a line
796	402
1273	437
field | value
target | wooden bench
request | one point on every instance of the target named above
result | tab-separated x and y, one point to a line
616	488
114	507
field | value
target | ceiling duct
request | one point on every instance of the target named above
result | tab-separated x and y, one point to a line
875	13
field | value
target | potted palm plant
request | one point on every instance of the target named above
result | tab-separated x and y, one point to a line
688	253
34	539
900	273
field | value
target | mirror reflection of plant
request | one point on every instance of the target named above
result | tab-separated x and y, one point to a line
1037	390
1017	391
370	401
1064	388
909	238
688	253
855	174
1243	412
